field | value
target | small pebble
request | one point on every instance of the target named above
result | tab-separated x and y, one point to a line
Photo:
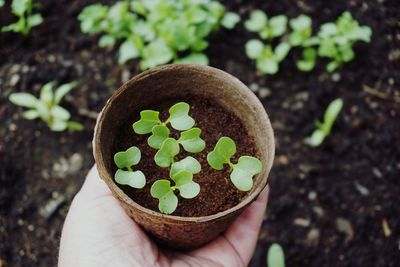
386	229
344	226
31	228
336	77
312	195
264	92
12	127
313	237
377	172
301	222
319	211
254	87
362	189
14	80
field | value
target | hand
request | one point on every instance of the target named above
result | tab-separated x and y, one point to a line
98	232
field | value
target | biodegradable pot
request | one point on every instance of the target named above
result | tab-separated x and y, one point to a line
180	81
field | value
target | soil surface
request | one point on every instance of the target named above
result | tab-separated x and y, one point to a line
217	192
335	205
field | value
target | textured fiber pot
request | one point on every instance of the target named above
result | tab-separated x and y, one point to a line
179	81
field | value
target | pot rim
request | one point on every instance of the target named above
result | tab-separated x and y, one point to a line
173	218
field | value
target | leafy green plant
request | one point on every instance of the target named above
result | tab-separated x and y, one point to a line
179	119
125	175
267	28
242	172
323	129
267	59
181	174
47	106
158	31
336	40
275	256
26	20
1	3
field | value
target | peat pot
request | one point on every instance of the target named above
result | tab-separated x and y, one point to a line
178	80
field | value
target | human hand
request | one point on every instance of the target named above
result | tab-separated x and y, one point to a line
98	232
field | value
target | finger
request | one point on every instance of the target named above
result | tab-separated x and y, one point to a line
243	233
94	186
236	246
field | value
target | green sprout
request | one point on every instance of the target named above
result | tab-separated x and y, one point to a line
307	63
267	59
275	256
47	106
182	175
323	129
1	3
179	119
165	155
157	31
125	160
301	30
242	172
336	40
266	28
26	20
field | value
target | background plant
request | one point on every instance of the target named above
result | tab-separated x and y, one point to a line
242	172
47	107
323	129
334	40
125	160
26	20
275	256
267	58
157	31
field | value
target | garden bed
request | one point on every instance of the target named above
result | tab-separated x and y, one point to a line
337	203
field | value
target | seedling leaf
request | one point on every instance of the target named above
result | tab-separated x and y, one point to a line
230	19
168	201
60	113
179	117
243	172
148	119
189	190
159	134
257	21
191	141
135	179
276	256
30	114
23	100
46	93
128	158
165	156
254	48
187	164
62	90
222	153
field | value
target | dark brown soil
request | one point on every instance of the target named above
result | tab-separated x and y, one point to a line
351	181
217	192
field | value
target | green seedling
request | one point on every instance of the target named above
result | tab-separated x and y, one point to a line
323	129
157	31
125	175
47	106
1	3
275	256
307	63
164	191
267	28
166	154
26	20
179	119
267	59
242	172
336	40
301	30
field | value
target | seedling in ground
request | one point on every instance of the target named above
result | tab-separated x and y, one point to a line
267	28
275	256
26	20
323	129
242	172
125	174
179	119
157	31
47	106
181	174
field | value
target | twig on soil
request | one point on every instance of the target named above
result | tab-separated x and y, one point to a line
379	94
